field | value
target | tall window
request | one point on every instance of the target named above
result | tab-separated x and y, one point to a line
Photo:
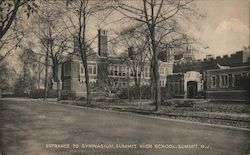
94	69
213	82
116	70
90	70
224	81
236	79
123	70
111	70
162	71
120	71
162	83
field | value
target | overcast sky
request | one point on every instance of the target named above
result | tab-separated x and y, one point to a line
225	30
226	27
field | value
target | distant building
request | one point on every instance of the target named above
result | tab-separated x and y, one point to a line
105	72
186	55
225	78
235	59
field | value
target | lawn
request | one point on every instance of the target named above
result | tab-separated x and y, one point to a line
235	114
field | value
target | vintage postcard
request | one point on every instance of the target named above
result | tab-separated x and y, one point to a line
124	77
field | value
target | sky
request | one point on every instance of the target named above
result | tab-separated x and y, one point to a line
226	27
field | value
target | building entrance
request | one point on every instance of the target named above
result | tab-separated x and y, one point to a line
192	89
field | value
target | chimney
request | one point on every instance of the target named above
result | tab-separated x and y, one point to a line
170	56
131	52
102	43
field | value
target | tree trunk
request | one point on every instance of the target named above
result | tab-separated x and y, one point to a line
56	77
157	90
39	79
152	81
139	85
139	92
58	90
128	91
128	84
46	76
155	68
87	83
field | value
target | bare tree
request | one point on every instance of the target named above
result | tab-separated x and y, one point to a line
9	20
134	40
82	11
160	18
53	38
26	81
7	76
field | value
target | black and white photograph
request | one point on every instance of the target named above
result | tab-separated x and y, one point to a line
124	77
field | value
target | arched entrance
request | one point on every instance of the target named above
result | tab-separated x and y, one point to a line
192	89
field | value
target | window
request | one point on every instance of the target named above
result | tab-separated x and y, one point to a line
224	81
167	72
162	71
162	83
119	71
94	70
245	74
236	79
213	82
131	73
116	70
90	70
123	70
111	70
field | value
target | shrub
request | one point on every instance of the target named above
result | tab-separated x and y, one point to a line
68	95
134	93
39	93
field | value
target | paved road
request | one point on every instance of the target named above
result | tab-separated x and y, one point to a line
30	127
